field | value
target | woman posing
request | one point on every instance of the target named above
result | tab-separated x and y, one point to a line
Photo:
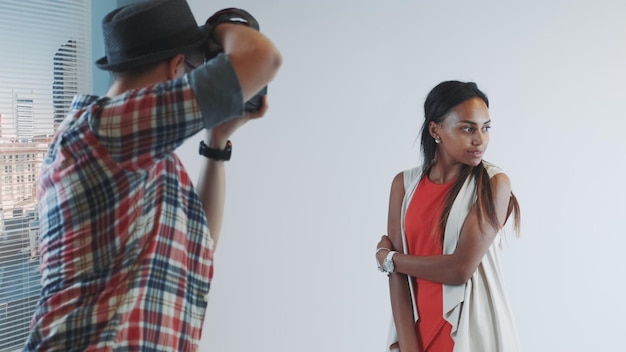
446	286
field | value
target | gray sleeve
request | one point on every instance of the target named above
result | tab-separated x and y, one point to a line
217	91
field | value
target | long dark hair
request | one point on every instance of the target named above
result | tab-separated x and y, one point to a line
439	103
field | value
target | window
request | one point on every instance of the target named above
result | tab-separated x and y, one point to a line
46	60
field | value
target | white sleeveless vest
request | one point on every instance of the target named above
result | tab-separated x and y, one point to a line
479	311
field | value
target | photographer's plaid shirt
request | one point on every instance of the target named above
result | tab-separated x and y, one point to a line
126	256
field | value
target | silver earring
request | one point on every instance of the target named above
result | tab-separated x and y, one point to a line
437	140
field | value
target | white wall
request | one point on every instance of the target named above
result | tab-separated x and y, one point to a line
308	185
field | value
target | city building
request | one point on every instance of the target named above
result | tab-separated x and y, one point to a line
66	75
26	130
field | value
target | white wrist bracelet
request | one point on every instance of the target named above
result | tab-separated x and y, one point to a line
380	267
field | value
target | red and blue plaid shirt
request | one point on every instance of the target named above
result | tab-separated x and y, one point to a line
126	254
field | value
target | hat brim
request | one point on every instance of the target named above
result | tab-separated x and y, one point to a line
152	58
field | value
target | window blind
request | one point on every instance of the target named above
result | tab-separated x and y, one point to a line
44	61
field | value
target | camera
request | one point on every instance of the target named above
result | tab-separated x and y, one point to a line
234	16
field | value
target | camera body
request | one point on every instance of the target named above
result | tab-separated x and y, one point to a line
256	102
241	17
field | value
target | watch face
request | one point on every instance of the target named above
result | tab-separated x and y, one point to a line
388	264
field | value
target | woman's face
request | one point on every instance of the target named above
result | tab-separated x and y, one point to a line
464	133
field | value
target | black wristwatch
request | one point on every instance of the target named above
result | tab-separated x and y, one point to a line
216	154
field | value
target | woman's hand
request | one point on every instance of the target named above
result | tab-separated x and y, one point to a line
385	246
395	347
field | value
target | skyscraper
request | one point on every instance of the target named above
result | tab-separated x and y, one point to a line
64	87
24	117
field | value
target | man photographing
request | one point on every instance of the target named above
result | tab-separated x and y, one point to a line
126	241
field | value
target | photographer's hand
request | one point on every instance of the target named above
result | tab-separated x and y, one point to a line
220	134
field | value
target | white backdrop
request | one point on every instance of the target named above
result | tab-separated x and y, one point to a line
308	186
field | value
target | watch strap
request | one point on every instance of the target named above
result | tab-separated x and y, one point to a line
216	154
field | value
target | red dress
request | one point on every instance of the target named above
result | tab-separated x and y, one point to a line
422	216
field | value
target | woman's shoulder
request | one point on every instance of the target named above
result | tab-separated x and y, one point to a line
410	176
498	179
492	169
412	173
404	179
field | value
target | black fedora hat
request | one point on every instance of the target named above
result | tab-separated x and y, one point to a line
147	32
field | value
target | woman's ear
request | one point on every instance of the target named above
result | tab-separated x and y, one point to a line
433	129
